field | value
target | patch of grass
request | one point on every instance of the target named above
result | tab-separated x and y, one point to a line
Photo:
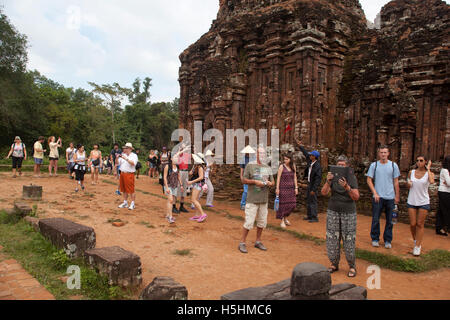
112	220
183	253
147	224
433	260
49	264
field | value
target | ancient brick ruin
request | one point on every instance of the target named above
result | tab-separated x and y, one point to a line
316	67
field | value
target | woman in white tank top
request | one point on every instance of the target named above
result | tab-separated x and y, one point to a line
419	181
80	166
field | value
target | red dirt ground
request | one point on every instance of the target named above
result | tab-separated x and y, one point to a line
215	266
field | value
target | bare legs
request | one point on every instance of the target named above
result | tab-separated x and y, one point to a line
53	165
418	224
94	175
245	232
195	194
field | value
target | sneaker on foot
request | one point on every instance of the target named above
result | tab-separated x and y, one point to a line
194	218
388	245
123	205
175	210
243	208
260	246
172	220
132	206
118	193
243	248
76	190
183	209
417	251
376	244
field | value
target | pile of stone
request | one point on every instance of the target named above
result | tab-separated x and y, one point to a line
310	281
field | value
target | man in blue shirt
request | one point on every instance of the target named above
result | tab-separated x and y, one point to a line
247	151
383	180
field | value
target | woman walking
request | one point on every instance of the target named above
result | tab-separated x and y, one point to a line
419	181
19	153
171	184
341	218
287	190
443	215
95	161
80	166
196	183
54	154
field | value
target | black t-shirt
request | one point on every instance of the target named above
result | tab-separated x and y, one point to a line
340	200
115	152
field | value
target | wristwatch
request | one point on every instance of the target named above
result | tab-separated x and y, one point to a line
265	183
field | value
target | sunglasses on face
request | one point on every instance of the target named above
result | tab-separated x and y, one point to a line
420	161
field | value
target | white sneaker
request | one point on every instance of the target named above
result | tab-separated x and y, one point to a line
132	206
123	205
388	245
376	244
417	251
283	225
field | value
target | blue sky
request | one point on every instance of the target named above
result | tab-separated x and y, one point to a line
108	41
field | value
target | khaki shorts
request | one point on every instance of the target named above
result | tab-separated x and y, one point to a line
256	212
184	177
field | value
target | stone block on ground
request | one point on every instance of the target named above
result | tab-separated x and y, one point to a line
22	209
32	192
310	279
356	293
276	291
164	288
34	222
72	237
123	268
341	287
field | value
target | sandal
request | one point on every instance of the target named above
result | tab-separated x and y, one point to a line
333	269
352	273
202	218
442	233
195	218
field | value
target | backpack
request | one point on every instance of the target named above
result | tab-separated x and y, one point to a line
375	171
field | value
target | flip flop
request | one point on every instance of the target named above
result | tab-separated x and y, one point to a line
195	218
333	269
202	218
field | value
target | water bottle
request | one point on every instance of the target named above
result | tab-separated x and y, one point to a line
395	215
277	204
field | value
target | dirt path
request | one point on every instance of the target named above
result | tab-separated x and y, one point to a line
216	266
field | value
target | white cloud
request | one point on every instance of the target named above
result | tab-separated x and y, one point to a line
115	41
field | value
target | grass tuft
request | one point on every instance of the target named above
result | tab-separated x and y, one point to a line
183	253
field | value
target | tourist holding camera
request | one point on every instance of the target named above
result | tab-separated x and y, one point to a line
341	217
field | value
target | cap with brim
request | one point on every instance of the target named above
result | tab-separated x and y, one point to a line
315	154
128	146
248	150
197	159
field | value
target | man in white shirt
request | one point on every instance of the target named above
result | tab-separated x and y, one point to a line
127	162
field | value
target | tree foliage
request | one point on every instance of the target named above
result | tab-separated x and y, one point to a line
32	105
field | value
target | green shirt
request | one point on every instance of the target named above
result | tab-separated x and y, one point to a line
260	172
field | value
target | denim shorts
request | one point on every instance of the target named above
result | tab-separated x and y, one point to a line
425	207
197	186
173	191
38	161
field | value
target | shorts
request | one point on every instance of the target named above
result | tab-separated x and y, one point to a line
197	186
173	191
17	162
152	165
127	183
38	161
70	167
184	178
255	212
54	159
425	207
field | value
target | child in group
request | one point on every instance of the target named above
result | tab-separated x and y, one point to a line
172	182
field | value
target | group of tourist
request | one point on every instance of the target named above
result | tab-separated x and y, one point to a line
382	179
177	181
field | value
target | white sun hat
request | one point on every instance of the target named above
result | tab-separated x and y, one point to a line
197	159
249	150
128	146
209	153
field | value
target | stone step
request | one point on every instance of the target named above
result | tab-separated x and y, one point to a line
22	209
164	288
72	237
123	268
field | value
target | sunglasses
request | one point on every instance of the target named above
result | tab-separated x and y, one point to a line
420	160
